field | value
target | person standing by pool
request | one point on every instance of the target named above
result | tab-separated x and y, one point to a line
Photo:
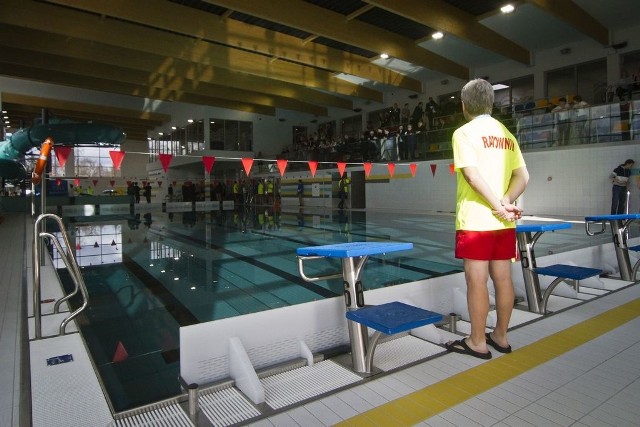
300	192
620	180
491	175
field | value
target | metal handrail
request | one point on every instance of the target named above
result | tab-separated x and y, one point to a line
72	266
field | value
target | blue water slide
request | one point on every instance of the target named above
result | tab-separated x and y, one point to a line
64	133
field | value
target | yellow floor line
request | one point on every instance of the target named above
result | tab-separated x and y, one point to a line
429	401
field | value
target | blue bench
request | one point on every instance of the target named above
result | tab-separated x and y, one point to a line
390	318
619	229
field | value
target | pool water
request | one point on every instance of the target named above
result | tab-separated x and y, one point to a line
150	273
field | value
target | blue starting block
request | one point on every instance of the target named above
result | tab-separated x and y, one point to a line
619	228
386	318
526	241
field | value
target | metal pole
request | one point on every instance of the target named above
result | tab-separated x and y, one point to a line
354	299
528	262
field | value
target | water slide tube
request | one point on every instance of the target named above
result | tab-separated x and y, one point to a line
62	133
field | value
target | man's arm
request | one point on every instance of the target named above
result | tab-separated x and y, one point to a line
504	207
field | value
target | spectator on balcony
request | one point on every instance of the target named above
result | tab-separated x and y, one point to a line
581	119
405	113
561	118
432	111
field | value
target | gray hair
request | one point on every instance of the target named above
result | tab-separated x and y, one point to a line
477	96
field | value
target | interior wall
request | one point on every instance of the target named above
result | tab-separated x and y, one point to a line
567	182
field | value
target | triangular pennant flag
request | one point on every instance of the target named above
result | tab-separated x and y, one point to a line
282	166
58	182
208	164
116	158
121	353
96	245
76	182
144	183
247	162
341	167
62	154
174	183
452	168
78	247
159	183
129	183
112	182
392	169
412	168
95	182
313	167
165	160
433	169
367	168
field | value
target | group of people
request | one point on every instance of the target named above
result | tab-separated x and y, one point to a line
135	191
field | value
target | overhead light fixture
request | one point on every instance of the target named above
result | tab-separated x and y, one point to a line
190	120
499	86
507	8
384	55
174	128
437	35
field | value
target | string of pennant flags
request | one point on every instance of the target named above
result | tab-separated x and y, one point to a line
62	153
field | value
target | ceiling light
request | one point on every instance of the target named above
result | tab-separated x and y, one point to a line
437	35
499	86
507	8
190	120
384	55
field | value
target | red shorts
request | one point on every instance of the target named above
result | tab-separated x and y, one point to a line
486	245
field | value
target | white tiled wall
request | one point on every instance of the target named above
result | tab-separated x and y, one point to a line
568	182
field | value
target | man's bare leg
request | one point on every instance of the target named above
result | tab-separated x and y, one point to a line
476	273
500	272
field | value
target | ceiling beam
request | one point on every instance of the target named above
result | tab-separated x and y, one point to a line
206	26
76	80
441	16
39	41
156	119
178	85
83	25
332	25
573	15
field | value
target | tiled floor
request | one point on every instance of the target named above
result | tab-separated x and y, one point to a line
578	367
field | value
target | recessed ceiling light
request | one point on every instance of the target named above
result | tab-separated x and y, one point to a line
190	120
384	55
437	35
507	8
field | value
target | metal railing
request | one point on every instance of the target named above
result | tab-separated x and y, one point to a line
72	266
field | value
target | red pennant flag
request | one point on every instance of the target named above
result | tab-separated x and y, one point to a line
452	168
174	183
95	182
76	182
129	183
58	182
159	183
313	167
144	183
165	160
62	154
112	182
282	166
433	169
116	158
392	169
121	353
208	164
247	162
413	167
367	168
341	167
78	247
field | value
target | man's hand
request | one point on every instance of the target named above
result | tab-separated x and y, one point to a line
509	212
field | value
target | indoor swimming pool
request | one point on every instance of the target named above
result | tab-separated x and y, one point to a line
151	271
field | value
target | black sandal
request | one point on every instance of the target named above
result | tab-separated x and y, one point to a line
462	347
497	346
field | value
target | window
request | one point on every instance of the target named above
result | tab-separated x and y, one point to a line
586	79
231	135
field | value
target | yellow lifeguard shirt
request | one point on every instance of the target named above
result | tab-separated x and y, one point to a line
488	145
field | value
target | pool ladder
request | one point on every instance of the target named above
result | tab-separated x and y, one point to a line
69	261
